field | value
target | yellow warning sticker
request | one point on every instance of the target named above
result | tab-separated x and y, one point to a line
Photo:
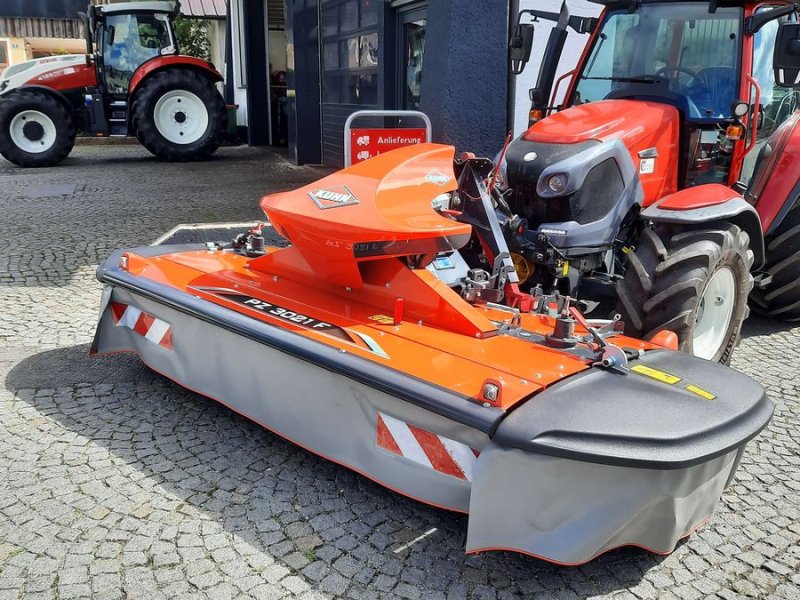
656	374
700	392
382	319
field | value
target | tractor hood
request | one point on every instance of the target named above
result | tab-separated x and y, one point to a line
40	71
649	130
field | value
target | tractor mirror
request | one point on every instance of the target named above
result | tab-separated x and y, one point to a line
519	47
87	32
786	59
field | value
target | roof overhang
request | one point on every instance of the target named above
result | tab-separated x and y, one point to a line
131	7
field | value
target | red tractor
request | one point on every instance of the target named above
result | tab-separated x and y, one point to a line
131	81
667	183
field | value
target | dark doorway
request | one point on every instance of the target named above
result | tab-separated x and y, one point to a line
412	25
350	55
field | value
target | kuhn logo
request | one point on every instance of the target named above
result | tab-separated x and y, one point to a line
437	177
331	198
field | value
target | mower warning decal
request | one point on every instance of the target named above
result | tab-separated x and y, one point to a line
655	374
149	327
333	197
425	448
700	392
278	312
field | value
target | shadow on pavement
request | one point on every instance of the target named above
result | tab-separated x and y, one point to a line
758	326
273	482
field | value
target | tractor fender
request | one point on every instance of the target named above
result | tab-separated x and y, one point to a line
775	186
59	96
163	62
710	203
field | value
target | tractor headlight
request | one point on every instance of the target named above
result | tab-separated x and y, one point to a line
740	109
556	183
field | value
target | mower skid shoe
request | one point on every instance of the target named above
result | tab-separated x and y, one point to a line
568	512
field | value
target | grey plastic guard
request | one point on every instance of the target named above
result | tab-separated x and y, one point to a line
576	168
327	413
568	512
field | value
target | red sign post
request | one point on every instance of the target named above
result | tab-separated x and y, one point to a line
366	143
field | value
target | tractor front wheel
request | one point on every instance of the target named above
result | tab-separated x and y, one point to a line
781	298
694	283
179	115
36	130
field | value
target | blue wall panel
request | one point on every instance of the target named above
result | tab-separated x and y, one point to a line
49	9
464	88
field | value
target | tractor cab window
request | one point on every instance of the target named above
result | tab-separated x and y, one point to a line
128	40
673	52
777	103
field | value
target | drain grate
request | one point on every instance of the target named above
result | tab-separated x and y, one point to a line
48	190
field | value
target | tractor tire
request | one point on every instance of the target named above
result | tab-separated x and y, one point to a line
671	285
179	115
36	130
781	298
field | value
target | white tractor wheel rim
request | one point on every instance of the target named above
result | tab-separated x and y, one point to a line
32	131
181	117
714	314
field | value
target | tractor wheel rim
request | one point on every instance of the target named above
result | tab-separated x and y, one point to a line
714	314
181	117
32	131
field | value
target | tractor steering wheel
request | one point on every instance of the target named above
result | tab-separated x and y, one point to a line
665	70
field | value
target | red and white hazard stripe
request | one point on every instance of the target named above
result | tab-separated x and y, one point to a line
149	327
425	448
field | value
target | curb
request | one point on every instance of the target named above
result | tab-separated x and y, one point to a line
106	141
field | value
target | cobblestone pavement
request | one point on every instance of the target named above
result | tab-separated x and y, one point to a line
117	483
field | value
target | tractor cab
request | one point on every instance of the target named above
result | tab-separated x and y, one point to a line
682	55
712	61
124	36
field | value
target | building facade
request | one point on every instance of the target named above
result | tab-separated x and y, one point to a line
299	68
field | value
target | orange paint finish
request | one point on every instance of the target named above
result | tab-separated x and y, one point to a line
638	124
159	62
370	211
72	77
665	338
360	228
701	196
436	351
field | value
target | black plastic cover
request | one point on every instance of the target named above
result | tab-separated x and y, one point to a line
629	419
523	175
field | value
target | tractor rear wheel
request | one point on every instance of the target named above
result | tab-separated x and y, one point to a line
694	283
36	130
781	298
179	115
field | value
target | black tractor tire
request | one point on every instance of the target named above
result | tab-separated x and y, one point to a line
780	299
668	276
203	143
58	114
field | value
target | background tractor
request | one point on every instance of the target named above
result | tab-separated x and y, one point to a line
131	81
667	183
